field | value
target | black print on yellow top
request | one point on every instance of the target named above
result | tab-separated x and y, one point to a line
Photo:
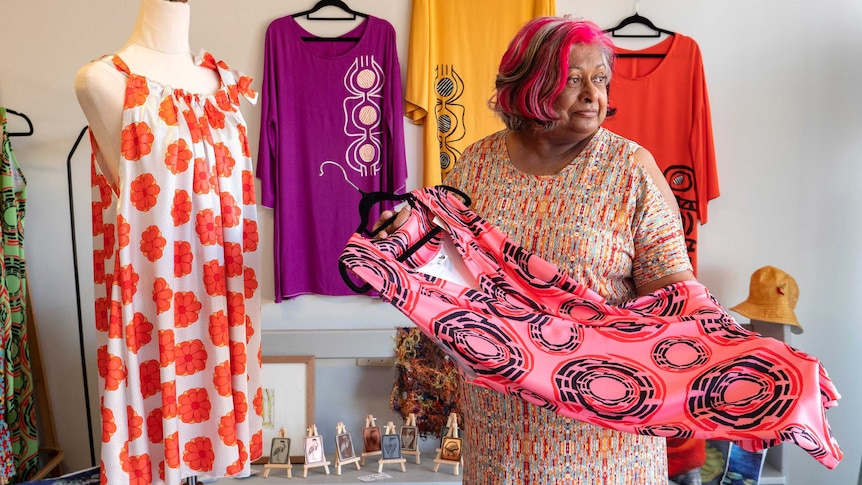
450	115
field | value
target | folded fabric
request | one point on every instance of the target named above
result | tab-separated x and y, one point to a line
672	363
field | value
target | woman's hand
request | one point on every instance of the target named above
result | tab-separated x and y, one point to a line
397	220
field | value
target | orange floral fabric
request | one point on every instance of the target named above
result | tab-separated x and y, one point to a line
177	303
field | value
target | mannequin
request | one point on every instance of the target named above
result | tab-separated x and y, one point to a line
158	49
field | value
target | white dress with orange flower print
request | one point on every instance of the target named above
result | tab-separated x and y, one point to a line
177	303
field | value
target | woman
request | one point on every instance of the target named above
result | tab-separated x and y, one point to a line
592	203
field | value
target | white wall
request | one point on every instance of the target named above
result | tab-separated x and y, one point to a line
782	80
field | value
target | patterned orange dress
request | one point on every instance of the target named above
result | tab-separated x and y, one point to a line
603	221
175	253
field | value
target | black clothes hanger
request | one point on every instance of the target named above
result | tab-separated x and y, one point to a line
641	20
26	118
330	3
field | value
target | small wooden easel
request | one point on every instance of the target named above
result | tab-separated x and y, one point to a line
282	433
339	430
370	422
391	430
411	421
312	433
452	424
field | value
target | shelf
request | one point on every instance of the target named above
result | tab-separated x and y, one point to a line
415	475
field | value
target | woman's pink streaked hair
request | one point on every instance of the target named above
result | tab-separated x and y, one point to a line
534	68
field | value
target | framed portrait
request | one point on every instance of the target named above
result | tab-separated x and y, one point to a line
371	439
279	453
408	438
288	398
344	446
314	450
391	446
451	449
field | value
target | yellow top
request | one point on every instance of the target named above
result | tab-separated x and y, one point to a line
455	51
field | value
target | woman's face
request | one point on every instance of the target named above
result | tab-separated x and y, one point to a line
583	104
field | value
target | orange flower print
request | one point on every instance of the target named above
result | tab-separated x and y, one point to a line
137	141
250	282
186	309
169	399
194	406
138	333
232	259
233	93
166	347
249	330
106	193
150	377
223	101
214	279
206	134
219	329
199	454
168	111
111	369
224	161
244	85
183	258
136	423
109	237
191	357
248	197
258	402
181	208
153	243
250	236
222	379
128	281
243	140
230	212
124	231
172	450
227	429
240	406
201	184
124	457
215	118
238	358
98	224
115	323
109	427
237	466
162	470
194	127
144	192
103	473
102	314
256	446
178	157
155	427
141	472
207	227
236	309
136	91
162	295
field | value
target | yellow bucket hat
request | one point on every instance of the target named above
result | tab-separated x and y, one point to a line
772	296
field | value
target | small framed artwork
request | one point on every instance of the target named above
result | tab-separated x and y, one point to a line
314	450
279	453
371	439
443	432
391	447
451	449
344	446
408	438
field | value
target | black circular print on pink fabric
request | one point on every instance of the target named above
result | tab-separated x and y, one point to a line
680	354
744	392
804	438
555	336
613	390
532	398
678	430
482	345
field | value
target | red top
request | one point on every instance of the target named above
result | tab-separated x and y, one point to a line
662	104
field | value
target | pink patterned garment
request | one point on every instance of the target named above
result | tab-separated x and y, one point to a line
670	364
